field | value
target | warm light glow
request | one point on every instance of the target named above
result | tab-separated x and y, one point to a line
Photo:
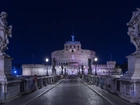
95	59
47	59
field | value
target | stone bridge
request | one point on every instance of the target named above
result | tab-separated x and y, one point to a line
56	90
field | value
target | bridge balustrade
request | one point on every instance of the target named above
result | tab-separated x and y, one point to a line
109	83
23	85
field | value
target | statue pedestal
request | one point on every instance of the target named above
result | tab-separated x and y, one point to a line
129	82
133	66
54	72
89	71
5	65
5	71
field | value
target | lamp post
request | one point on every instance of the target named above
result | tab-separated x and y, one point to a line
84	70
47	60
60	70
83	67
95	59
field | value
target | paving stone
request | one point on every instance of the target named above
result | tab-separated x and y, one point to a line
70	92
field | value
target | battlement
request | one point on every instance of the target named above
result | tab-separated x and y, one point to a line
111	64
85	51
99	66
35	66
72	42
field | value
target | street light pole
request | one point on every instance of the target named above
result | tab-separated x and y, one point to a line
47	60
60	68
83	67
95	59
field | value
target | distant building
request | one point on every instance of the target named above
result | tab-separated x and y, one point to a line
72	58
73	55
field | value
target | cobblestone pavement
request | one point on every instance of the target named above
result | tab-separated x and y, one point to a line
70	92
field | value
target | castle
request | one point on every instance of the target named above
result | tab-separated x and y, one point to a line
72	60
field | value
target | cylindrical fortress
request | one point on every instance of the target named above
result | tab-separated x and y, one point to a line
72	54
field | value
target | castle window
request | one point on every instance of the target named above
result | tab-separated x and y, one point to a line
78	46
74	46
70	46
72	51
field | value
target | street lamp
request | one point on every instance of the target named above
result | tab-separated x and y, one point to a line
95	59
47	60
60	70
80	71
83	68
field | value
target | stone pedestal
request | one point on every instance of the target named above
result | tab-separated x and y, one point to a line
130	90
133	66
83	76
129	82
5	69
61	76
54	72
5	65
89	71
9	86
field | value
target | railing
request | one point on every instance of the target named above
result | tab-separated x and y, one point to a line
109	83
23	85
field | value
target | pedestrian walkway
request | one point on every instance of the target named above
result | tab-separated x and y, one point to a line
112	98
24	100
70	92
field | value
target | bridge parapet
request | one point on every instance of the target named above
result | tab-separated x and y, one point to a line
22	85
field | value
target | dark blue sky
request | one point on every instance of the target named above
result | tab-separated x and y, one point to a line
43	26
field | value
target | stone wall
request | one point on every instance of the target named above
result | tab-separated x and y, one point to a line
40	70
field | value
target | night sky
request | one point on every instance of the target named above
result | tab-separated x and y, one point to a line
43	26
